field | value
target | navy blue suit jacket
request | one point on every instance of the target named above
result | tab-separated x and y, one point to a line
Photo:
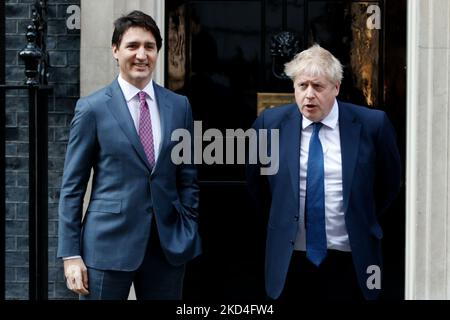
127	194
371	173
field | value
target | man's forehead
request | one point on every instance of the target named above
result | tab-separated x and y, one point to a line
308	78
138	32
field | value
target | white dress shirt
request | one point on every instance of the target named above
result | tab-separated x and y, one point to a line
130	93
337	236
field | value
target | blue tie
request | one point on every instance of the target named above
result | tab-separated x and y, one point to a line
316	237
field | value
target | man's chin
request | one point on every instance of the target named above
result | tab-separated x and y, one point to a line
142	77
312	116
141	73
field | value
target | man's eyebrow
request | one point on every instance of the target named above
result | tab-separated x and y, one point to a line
131	42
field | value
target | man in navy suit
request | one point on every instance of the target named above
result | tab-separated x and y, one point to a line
141	223
339	170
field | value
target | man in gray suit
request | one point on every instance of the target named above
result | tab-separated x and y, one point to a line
141	223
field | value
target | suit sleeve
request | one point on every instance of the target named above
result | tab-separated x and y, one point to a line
388	170
187	183
77	169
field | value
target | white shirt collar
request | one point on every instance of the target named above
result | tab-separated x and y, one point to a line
130	91
330	120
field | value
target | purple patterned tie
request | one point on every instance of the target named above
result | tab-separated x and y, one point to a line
145	129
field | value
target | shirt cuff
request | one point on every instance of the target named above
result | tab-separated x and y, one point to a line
71	257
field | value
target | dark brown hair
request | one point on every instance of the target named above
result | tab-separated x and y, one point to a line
135	19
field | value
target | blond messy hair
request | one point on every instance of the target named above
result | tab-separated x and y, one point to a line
315	61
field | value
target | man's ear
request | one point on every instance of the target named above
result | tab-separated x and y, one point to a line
114	51
338	87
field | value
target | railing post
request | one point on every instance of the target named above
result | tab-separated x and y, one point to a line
38	194
35	57
2	155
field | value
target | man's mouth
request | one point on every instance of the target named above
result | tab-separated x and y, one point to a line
140	65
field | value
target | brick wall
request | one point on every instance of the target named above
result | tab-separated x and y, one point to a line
63	46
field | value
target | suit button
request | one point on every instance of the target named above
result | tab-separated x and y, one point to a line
296	218
291	242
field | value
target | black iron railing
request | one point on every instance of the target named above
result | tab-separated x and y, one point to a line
2	153
35	57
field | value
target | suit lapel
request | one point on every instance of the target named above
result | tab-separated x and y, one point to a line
290	137
350	131
118	107
165	113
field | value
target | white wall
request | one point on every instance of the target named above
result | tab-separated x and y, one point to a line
428	151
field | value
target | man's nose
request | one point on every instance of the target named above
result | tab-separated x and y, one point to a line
309	92
140	54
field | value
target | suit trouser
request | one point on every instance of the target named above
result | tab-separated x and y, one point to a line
334	279
155	279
